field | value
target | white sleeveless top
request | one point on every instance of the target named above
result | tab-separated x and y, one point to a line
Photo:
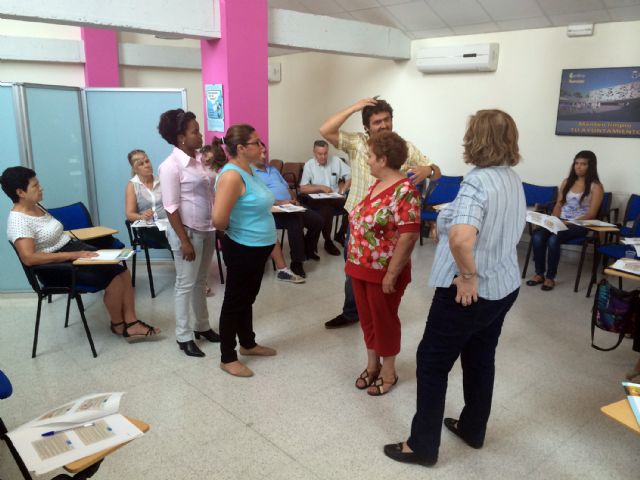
149	199
573	208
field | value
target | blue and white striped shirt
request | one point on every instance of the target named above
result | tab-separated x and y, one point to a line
492	200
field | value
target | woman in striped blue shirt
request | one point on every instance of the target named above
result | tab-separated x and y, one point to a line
476	276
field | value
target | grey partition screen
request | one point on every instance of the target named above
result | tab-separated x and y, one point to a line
12	277
121	120
57	142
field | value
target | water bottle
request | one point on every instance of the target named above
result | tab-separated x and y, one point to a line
630	253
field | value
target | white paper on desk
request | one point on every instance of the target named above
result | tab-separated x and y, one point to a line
79	411
110	255
633	396
319	196
631	241
551	223
591	223
43	454
289	208
627	265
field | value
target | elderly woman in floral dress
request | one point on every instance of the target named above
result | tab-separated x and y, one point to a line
385	226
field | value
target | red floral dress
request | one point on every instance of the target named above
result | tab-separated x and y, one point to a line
375	227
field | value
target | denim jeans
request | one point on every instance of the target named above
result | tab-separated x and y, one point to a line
546	244
349	308
453	330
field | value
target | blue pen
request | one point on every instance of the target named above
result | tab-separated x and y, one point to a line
53	432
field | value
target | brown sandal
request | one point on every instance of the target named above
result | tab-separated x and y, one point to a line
379	386
368	378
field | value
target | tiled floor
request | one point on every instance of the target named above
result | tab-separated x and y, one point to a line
300	416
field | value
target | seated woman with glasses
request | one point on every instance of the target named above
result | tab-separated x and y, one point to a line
40	239
143	199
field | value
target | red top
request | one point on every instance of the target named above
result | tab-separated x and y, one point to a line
376	224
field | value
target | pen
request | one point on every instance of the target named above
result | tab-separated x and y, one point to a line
53	432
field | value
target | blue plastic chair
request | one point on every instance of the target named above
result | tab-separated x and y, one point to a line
76	216
444	190
539	197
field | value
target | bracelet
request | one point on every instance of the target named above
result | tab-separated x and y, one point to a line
469	275
433	171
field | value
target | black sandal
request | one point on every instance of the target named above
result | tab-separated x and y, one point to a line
533	283
151	332
548	288
368	377
113	330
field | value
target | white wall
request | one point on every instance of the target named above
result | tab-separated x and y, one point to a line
431	110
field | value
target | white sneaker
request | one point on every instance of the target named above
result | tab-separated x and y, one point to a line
286	275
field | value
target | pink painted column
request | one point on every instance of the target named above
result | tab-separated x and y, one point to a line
239	61
101	65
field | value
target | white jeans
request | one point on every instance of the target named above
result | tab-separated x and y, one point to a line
191	278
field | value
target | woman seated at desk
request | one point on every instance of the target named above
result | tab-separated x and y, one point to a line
579	198
143	199
40	239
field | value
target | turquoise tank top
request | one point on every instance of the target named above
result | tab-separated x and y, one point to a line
251	222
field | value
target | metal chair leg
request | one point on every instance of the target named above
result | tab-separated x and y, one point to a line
86	325
146	254
14	453
66	317
527	259
35	335
579	273
421	227
133	268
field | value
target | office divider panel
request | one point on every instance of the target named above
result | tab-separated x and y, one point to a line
122	120
54	118
12	277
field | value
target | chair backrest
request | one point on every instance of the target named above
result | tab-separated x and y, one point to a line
292	172
277	164
5	386
538	194
72	216
605	206
449	179
31	277
632	212
442	193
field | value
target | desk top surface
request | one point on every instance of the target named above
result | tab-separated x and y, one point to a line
621	412
91	232
618	273
86	462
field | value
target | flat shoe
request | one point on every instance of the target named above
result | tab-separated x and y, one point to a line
243	371
547	288
533	283
452	425
262	352
394	452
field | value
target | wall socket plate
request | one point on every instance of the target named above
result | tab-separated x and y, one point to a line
274	73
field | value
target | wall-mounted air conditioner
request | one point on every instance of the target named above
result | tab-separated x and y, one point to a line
459	58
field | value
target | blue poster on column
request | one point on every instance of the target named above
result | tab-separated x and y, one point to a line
215	108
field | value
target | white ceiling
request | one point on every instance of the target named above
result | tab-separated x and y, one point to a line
442	18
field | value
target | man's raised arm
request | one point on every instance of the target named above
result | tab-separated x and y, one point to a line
331	127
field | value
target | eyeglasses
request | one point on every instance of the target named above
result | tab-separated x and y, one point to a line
257	142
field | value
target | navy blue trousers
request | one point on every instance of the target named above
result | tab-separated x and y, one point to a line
453	330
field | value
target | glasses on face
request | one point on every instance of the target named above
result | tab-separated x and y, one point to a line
257	142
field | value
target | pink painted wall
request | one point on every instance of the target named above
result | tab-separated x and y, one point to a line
101	67
239	61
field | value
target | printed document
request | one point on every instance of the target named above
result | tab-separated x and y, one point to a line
551	223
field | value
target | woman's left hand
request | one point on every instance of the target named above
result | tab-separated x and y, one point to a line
467	290
389	283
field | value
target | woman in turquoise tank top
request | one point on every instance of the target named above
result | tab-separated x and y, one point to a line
243	211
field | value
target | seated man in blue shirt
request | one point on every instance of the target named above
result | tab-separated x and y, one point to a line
302	245
326	174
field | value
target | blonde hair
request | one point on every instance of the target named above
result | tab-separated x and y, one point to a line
491	139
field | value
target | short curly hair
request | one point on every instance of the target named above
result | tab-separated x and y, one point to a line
380	107
174	123
390	145
491	139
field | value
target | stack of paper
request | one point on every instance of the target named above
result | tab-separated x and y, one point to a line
627	265
289	208
73	431
551	223
319	196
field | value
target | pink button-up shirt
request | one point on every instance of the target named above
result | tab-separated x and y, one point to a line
187	186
